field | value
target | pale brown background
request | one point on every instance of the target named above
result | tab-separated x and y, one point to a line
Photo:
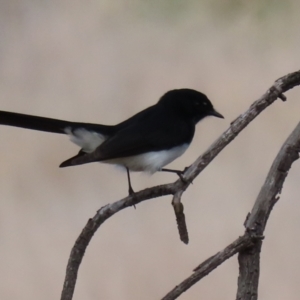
102	61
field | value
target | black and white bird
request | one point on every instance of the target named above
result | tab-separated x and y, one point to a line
147	141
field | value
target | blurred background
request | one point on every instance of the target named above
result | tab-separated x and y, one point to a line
101	62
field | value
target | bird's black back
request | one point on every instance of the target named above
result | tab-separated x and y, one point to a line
154	129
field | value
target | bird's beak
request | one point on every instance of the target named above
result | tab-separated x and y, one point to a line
216	114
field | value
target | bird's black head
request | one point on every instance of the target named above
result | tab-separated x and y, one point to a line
190	104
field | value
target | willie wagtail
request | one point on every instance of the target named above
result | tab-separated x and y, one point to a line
146	142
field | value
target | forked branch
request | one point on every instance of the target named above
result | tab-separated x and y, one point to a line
177	188
248	246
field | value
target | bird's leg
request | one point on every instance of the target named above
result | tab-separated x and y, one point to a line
130	190
178	172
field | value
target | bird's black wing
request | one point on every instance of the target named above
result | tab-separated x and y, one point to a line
137	140
156	131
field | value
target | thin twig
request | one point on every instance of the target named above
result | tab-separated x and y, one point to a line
280	86
211	263
180	217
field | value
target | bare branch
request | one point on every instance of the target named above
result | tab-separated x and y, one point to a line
256	222
280	86
250	244
93	224
211	263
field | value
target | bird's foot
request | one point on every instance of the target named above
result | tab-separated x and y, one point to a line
178	172
131	193
180	175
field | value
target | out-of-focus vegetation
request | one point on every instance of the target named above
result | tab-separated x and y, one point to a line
102	61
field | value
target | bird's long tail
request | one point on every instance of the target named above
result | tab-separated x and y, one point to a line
33	122
48	124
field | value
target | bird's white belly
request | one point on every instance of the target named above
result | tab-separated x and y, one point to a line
147	162
150	161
